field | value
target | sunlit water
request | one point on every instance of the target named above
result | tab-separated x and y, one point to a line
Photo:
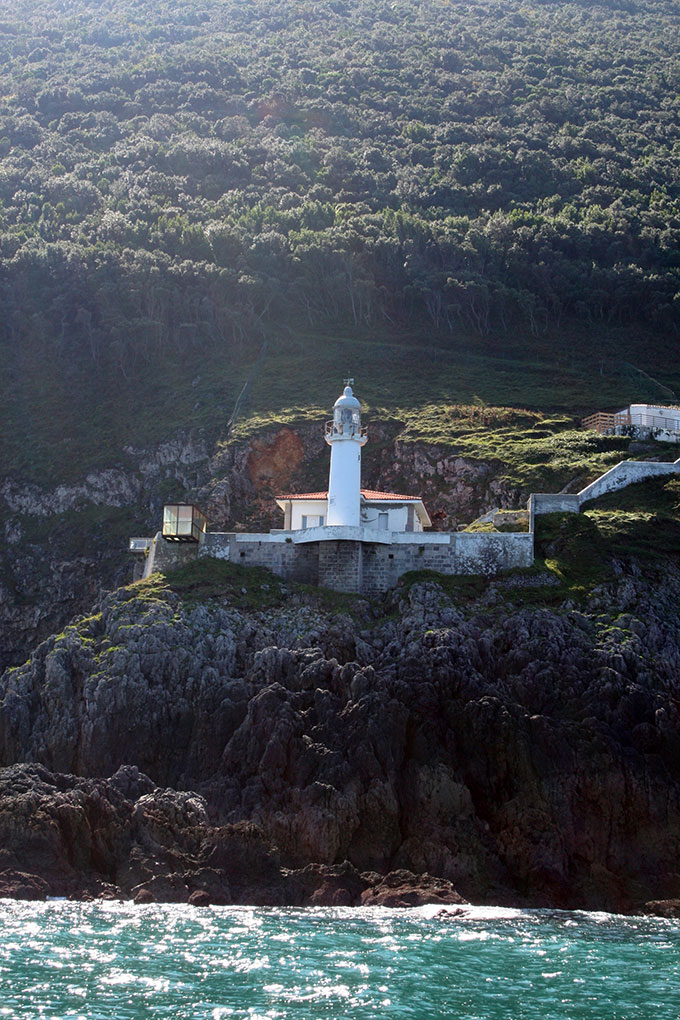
119	962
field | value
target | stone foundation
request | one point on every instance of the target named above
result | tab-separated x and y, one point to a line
354	564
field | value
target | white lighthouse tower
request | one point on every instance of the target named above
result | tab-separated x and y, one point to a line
345	436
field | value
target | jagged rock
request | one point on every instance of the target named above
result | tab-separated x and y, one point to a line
62	835
404	889
18	885
663	908
527	755
43	583
199	898
322	885
144	896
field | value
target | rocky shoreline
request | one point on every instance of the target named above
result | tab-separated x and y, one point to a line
124	838
308	752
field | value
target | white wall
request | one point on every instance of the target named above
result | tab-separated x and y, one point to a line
397	516
627	473
309	508
644	414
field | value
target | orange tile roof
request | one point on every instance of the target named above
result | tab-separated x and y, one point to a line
374	494
304	495
369	494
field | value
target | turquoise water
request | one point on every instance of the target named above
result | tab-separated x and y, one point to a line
121	962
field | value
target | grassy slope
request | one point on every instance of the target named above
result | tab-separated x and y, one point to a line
56	424
576	553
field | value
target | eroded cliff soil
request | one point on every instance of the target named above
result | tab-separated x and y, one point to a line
526	755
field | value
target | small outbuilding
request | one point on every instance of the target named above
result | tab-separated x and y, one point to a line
183	522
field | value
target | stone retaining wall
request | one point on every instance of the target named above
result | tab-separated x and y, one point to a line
627	472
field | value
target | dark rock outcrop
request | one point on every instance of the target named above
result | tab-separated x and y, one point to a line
663	908
104	838
522	755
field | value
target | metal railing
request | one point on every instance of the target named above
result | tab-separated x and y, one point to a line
603	422
331	429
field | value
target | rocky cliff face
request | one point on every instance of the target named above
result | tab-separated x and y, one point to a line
65	545
124	837
523	754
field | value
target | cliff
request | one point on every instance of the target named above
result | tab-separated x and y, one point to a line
514	737
66	544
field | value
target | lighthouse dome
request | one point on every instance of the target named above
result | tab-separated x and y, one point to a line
347	399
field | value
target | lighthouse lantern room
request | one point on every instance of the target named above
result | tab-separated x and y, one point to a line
345	436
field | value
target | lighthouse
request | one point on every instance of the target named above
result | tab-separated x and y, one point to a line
345	436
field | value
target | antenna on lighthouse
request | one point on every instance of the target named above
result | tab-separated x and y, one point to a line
349	382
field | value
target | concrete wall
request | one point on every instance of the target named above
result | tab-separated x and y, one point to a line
626	473
354	563
383	565
340	565
455	553
294	562
552	503
487	553
164	555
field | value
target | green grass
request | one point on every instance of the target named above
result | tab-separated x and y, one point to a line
208	578
58	420
577	552
655	496
248	588
641	520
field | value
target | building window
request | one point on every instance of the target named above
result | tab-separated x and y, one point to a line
383	519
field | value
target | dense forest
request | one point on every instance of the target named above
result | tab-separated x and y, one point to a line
174	174
184	181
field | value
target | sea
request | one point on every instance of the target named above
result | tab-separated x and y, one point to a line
118	961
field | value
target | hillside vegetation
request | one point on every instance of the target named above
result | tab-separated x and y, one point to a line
481	195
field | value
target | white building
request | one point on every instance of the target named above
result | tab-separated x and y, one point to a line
655	421
346	504
385	511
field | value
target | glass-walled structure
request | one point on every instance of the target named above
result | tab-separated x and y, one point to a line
183	522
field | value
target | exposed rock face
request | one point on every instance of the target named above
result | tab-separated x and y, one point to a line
273	463
65	544
523	755
124	837
458	487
